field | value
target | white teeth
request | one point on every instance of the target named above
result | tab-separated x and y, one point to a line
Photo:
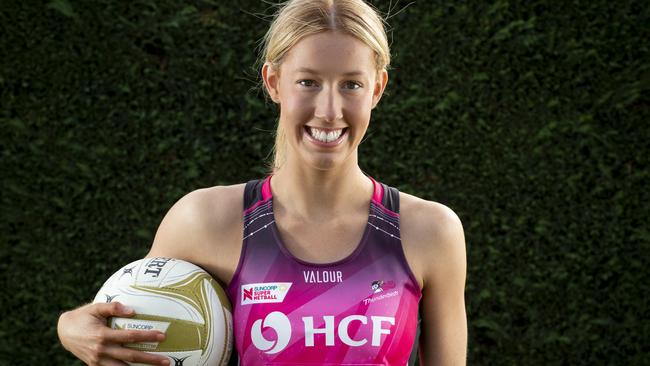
323	136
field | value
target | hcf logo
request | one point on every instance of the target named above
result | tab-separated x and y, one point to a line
280	323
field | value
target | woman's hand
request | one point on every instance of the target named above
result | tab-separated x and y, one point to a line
84	332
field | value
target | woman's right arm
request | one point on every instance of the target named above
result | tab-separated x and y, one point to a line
83	331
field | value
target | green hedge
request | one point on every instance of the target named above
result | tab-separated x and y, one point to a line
529	119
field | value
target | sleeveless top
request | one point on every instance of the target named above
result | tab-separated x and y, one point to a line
360	310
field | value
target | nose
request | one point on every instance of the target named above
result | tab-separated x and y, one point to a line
328	105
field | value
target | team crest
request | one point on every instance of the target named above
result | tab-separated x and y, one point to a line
379	286
380	290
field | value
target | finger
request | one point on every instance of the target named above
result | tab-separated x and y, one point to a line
133	356
112	309
132	336
111	362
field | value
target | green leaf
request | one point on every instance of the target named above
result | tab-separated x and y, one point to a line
63	7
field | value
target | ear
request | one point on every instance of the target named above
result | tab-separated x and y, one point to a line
380	85
271	78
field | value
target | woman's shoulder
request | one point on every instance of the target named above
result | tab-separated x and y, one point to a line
429	229
218	204
205	220
211	207
425	213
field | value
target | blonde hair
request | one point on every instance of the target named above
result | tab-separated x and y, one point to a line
296	19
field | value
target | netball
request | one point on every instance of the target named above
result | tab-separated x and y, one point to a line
178	298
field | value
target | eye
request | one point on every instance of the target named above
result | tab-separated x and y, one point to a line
352	84
305	81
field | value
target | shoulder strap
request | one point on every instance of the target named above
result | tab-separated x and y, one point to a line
252	192
390	199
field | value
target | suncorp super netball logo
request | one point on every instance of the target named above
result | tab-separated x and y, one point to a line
260	293
281	324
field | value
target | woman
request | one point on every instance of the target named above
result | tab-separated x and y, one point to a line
356	257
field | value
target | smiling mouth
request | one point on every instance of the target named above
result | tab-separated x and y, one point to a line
326	135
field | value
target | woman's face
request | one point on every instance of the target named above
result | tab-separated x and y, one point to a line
326	88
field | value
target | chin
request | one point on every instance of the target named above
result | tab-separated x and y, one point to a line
328	163
323	164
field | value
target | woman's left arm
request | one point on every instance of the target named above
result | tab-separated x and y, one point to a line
443	340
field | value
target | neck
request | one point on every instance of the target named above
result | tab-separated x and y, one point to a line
320	195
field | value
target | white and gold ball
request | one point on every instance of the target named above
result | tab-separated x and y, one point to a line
178	298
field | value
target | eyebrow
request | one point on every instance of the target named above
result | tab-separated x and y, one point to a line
349	73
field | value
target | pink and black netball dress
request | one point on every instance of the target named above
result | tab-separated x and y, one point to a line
360	310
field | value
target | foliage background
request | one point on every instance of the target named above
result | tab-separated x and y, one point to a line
528	118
